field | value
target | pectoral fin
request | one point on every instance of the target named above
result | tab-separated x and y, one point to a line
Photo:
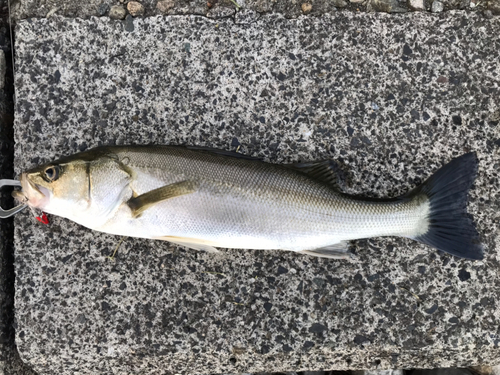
144	201
192	243
335	251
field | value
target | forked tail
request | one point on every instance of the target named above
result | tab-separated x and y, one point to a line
451	228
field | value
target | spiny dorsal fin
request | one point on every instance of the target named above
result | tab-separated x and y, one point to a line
327	171
144	201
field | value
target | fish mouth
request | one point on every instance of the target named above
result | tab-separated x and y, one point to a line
32	194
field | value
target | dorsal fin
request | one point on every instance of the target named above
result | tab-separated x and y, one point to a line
327	171
211	150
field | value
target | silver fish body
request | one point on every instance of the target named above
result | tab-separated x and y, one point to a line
206	199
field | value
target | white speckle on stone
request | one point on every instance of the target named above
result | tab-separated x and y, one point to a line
305	132
375	106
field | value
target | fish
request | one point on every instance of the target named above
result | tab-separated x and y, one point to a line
205	199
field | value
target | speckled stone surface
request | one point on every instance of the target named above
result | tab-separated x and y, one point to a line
391	102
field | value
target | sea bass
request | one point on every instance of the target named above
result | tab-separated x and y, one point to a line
205	198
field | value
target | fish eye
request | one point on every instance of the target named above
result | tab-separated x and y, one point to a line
52	173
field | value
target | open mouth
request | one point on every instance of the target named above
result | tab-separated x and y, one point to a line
34	195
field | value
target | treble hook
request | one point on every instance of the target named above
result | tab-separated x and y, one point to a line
8	213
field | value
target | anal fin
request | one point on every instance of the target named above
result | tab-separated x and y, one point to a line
192	243
335	251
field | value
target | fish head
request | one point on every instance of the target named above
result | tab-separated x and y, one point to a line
86	187
56	187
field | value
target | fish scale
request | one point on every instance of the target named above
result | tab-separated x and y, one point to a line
300	213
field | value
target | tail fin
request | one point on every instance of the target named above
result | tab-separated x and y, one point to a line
451	229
